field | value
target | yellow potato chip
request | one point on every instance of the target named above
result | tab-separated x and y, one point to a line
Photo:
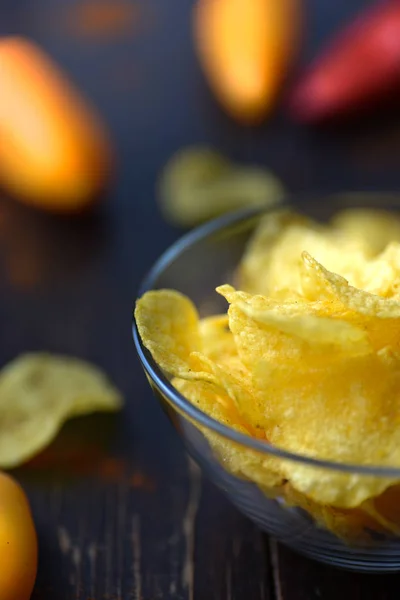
307	358
271	263
260	303
373	228
236	459
345	410
336	489
232	295
255	341
384	335
312	328
38	393
263	327
351	525
186	172
217	340
168	324
286	256
381	275
212	399
198	184
236	381
255	264
385	523
333	286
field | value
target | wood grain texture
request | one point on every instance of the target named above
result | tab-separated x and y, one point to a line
120	512
122	534
298	578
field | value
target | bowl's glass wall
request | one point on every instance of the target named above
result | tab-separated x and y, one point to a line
196	270
367	547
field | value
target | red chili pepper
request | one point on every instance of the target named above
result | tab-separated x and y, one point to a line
359	66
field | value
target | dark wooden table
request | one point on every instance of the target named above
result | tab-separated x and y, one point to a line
120	511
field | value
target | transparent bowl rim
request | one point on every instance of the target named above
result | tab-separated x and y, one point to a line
179	402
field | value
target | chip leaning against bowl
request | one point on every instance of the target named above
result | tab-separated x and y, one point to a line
307	357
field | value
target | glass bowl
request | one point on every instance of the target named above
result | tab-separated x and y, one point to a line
196	265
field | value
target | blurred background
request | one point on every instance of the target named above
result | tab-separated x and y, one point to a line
151	117
138	64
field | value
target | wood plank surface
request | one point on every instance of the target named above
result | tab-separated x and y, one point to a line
298	578
121	513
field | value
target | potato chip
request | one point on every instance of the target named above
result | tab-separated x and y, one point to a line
236	459
38	393
381	275
272	260
311	327
232	295
286	256
246	187
333	286
370	509
307	358
255	264
216	338
198	184
345	411
255	341
354	525
212	399
186	172
168	324
236	381
373	228
263	327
